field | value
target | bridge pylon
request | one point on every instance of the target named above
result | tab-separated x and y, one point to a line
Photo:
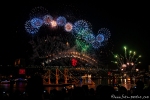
66	75
57	75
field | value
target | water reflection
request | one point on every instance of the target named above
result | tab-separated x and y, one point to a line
124	82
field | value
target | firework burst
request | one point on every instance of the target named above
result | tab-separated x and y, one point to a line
128	61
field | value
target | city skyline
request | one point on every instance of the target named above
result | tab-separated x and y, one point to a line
128	25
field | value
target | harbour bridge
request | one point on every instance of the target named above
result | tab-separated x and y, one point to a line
65	76
84	68
70	74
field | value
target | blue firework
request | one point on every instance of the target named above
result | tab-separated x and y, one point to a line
96	44
29	28
100	38
61	21
105	32
80	25
36	22
47	19
90	38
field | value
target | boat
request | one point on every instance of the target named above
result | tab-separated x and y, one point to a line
5	82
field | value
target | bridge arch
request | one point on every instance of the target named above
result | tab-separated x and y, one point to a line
72	54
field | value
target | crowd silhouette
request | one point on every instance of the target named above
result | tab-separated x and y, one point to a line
35	91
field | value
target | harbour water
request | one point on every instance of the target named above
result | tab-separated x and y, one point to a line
20	86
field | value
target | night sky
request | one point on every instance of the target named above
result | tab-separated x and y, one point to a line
127	22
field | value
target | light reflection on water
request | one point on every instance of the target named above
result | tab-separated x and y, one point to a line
21	86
